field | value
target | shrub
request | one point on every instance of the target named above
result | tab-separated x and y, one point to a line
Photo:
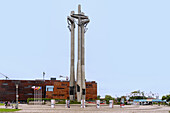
75	102
45	99
61	102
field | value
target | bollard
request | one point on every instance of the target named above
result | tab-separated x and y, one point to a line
52	103
122	103
111	103
97	103
67	104
82	103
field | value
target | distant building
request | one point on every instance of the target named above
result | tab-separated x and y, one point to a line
147	101
149	95
53	89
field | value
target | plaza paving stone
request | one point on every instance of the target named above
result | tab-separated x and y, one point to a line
92	109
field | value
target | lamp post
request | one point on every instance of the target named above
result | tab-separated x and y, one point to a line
16	96
43	76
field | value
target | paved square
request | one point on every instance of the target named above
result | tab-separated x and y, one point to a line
92	109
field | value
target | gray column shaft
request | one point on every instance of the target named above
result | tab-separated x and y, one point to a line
83	63
72	73
83	20
79	86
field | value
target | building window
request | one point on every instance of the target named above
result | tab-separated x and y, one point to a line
49	88
89	85
9	93
55	95
5	84
27	86
63	84
29	94
60	88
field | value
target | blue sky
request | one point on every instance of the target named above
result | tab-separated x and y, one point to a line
127	42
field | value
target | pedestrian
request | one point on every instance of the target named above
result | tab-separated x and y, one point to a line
6	103
9	103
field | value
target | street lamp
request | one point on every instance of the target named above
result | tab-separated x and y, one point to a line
17	96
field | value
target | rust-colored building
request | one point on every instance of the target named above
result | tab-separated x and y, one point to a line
54	89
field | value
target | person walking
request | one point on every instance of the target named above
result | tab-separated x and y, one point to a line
6	103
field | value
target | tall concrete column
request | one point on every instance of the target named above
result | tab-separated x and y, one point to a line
72	72
83	63
82	22
79	85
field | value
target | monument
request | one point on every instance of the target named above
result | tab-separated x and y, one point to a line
72	73
80	88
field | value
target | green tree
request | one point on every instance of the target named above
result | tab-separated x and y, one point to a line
118	99
136	91
123	97
107	98
167	98
138	97
98	97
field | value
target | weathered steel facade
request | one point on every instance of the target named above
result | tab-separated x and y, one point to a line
60	89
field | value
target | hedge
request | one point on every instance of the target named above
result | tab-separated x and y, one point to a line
45	99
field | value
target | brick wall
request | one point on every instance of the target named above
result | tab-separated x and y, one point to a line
60	90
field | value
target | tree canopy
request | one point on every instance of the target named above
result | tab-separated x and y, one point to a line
167	98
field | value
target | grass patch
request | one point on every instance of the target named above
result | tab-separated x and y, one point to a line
62	102
2	104
75	102
8	110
